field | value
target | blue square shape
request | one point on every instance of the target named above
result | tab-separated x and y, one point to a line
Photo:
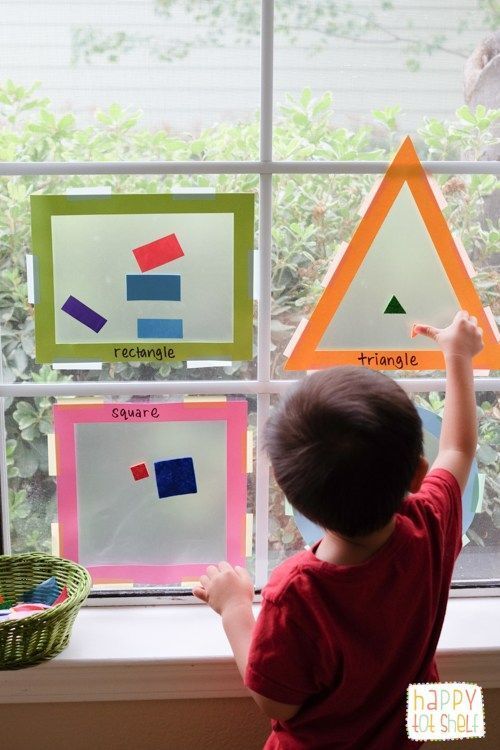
175	477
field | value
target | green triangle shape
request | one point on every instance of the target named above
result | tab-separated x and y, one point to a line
395	307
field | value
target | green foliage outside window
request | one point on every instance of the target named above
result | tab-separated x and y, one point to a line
313	214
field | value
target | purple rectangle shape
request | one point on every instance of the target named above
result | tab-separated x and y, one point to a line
83	314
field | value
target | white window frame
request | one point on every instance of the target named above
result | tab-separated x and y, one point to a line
263	387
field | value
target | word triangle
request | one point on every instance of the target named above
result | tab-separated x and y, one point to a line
402	267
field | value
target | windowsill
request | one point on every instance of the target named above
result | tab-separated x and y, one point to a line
180	651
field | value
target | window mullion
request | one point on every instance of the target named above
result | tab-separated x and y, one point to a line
265	166
5	545
205	387
264	302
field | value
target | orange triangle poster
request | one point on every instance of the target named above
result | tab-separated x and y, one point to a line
403	266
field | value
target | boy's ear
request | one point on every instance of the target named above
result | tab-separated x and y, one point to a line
420	472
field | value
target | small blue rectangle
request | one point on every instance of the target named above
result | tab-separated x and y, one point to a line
159	328
160	286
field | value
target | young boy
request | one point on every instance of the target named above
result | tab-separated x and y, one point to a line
347	625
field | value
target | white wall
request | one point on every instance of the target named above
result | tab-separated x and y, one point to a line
216	84
212	724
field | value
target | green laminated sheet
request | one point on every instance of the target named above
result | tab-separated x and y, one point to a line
83	248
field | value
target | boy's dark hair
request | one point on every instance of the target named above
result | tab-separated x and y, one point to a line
344	446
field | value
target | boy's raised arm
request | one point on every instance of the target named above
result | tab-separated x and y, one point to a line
460	342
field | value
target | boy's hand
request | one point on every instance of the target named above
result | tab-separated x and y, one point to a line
224	587
463	337
229	591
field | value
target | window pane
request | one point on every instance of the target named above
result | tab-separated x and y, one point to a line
129	526
18	344
351	78
315	214
480	556
170	78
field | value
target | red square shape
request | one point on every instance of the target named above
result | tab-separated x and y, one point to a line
139	471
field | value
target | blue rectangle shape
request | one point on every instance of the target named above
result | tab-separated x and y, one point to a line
159	286
175	477
159	328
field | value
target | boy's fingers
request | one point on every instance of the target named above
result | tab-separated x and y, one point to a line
224	565
242	572
212	571
200	594
473	320
423	330
461	315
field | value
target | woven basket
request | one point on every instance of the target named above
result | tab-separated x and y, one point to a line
44	634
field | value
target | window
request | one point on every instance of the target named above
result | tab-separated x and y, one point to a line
193	68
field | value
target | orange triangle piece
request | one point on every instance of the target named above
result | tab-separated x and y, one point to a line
310	352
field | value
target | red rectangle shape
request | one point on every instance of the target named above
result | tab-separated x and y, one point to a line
158	252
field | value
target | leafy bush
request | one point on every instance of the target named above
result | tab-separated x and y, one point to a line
313	214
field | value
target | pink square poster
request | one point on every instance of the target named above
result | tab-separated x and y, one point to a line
151	493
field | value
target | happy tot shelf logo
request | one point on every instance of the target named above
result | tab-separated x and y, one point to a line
444	711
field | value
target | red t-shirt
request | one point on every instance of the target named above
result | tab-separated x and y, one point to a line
345	641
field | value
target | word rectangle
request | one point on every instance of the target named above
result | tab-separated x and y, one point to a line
79	311
158	252
159	328
158	287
